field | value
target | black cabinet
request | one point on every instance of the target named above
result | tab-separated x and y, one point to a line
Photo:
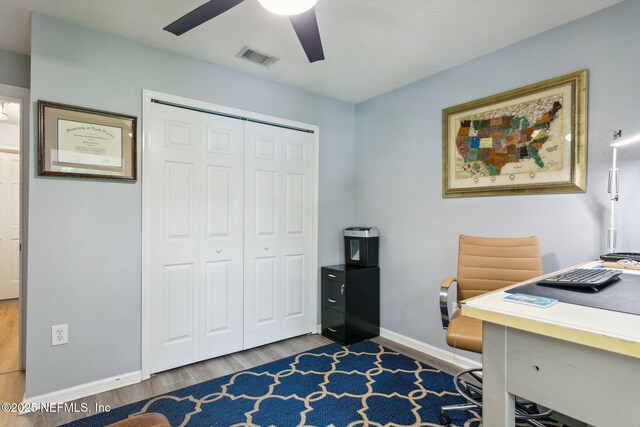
350	303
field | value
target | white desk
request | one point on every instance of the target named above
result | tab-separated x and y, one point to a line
581	361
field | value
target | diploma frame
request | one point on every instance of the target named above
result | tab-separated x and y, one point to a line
78	142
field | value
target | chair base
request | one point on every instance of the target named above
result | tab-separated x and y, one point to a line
525	410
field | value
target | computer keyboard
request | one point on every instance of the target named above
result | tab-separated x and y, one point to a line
582	278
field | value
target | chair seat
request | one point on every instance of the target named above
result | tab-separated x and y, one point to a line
150	419
465	333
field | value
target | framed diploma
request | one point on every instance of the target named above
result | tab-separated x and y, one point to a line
84	143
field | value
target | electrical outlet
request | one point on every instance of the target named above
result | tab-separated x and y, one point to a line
59	334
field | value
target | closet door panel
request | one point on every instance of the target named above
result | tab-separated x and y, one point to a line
266	208
174	246
297	250
222	236
263	210
219	209
294	286
196	234
278	207
265	306
179	289
294	204
218	289
179	200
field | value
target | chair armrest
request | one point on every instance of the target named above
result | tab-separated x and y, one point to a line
444	300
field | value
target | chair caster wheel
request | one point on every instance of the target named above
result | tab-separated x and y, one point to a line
444	419
533	408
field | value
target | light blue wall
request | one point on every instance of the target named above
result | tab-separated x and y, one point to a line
85	236
399	172
14	69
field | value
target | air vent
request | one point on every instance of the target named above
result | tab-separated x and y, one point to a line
257	57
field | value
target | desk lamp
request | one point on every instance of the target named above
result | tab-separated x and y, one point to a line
617	142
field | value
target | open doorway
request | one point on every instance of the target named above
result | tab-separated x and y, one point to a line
14	178
10	120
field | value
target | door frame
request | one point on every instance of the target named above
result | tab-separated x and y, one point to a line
147	97
23	97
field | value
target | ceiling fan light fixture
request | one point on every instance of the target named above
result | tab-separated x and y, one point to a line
288	7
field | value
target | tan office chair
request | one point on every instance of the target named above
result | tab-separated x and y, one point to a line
485	264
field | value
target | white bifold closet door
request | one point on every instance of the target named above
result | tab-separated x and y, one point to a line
278	233
230	234
196	236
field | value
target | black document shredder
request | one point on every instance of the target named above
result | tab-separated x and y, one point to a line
361	246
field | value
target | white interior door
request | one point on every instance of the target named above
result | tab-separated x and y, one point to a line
9	225
278	232
195	236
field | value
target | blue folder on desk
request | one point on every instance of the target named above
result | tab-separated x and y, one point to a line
533	300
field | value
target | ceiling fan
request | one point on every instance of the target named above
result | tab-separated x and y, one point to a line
300	12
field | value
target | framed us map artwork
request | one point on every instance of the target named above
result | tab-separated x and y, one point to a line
530	140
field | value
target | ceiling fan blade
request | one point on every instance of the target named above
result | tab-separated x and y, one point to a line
306	27
202	14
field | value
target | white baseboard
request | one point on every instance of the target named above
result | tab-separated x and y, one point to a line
437	352
84	390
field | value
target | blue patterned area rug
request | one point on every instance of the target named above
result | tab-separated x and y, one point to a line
364	384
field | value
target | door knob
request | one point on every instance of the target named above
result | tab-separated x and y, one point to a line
266	248
218	250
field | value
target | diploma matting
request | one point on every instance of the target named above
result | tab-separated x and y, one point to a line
89	144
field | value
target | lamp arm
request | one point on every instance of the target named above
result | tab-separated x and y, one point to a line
613	191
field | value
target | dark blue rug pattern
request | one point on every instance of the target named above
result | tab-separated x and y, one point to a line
364	384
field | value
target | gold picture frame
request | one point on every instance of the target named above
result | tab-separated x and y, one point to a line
81	142
530	140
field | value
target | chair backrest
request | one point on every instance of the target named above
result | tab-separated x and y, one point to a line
487	263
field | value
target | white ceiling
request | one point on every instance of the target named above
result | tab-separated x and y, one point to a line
371	46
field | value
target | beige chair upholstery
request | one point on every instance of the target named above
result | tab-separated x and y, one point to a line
487	264
151	419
